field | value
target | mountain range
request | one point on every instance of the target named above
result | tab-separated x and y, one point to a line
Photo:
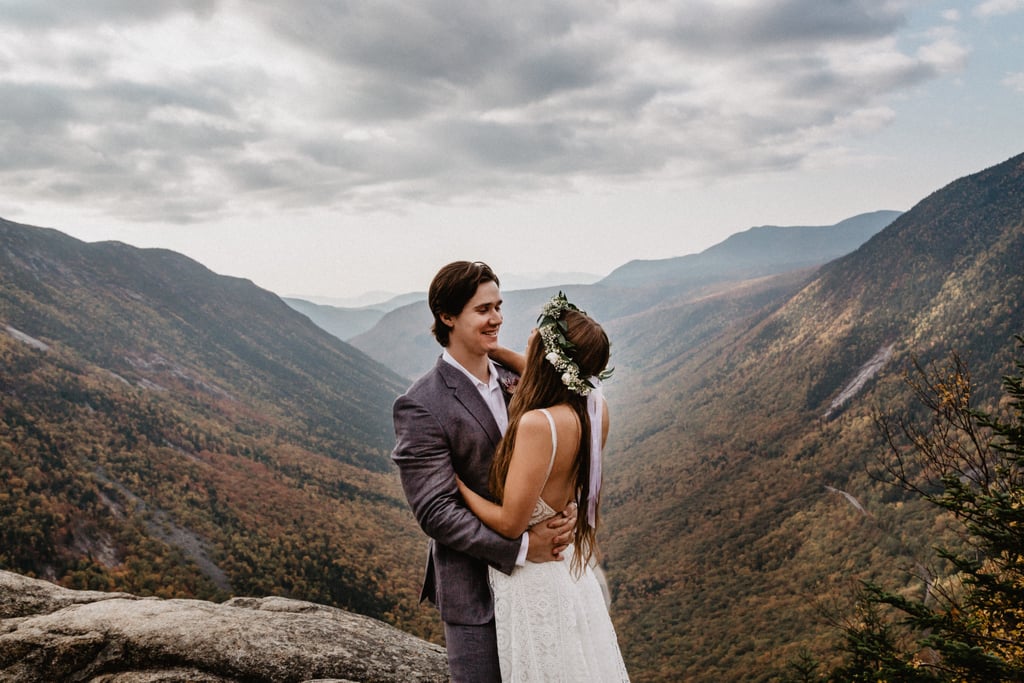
743	260
171	431
762	250
742	457
345	319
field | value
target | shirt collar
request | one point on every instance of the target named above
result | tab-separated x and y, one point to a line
491	383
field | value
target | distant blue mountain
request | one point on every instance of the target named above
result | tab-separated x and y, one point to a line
759	251
635	287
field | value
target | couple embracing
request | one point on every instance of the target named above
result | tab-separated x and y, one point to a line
506	485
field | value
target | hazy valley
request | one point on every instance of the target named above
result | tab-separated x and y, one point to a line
172	431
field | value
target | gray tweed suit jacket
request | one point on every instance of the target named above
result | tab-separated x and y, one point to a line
444	428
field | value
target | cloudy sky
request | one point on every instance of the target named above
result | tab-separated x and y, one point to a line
332	147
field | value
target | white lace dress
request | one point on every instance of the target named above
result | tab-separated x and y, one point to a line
552	626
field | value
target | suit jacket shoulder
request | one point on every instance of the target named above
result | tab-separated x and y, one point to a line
450	397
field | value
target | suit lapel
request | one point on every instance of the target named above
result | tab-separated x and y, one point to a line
466	394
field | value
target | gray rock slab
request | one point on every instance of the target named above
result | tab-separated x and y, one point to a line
49	633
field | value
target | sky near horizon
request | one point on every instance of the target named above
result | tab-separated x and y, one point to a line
329	148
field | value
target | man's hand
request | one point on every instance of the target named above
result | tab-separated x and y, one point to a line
550	538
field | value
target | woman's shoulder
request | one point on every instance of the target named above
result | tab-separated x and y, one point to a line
562	414
536	419
559	411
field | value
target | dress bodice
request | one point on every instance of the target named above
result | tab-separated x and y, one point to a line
541	510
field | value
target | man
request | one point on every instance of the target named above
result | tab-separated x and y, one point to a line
449	423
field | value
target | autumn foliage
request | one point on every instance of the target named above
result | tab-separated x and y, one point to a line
969	626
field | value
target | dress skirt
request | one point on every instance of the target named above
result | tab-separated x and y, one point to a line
553	626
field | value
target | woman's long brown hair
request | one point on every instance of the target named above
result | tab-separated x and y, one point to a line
541	387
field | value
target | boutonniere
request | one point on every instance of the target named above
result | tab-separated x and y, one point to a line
509	384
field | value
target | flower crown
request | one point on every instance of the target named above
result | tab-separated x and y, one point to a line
552	330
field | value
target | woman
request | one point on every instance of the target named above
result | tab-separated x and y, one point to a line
551	619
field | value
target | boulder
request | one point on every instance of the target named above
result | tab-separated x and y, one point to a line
49	633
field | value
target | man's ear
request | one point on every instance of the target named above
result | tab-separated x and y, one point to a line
447	319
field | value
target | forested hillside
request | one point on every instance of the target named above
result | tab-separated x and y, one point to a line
167	430
739	503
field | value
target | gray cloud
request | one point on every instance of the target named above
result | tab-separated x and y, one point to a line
31	109
342	102
50	14
372	99
708	25
444	40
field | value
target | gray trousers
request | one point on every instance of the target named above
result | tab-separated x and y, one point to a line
472	653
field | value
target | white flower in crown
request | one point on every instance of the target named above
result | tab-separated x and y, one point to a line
552	334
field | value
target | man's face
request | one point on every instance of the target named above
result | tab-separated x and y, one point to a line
475	328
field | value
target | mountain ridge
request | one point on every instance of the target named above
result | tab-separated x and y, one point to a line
759	250
196	303
175	432
725	462
693	277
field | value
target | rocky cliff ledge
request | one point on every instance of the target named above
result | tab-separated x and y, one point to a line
49	633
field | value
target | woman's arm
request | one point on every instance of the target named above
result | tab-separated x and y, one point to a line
513	360
527	473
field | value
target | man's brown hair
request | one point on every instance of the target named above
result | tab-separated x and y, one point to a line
452	288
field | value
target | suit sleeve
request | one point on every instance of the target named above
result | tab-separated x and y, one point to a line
425	466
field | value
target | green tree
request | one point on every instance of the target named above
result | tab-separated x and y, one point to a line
969	463
803	668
